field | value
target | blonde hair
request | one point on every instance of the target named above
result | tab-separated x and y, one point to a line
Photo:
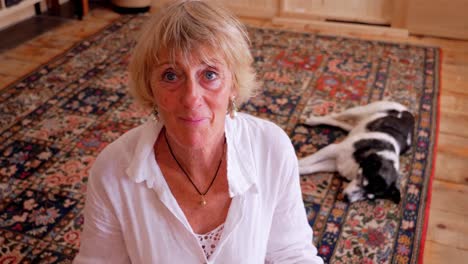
187	26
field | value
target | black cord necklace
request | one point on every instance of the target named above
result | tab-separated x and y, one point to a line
202	195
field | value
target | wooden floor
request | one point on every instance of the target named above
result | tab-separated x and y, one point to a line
447	237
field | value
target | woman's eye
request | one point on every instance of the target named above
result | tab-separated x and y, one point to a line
210	75
170	76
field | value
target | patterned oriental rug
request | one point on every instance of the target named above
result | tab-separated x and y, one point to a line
55	121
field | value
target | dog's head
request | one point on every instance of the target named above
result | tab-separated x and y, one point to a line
379	177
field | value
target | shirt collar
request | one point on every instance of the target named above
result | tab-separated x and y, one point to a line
241	171
142	165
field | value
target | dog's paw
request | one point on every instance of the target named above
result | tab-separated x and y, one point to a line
354	196
314	120
303	170
306	170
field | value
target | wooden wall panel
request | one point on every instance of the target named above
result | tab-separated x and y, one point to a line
257	8
246	8
368	11
438	18
302	9
16	13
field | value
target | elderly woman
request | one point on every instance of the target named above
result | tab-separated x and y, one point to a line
198	183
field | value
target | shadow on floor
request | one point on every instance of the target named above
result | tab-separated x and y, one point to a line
32	27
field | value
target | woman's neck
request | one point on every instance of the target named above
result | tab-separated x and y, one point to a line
199	163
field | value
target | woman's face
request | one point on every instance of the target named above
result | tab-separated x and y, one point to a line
192	98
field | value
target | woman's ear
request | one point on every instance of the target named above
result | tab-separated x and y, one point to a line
233	92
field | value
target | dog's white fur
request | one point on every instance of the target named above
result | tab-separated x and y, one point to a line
339	157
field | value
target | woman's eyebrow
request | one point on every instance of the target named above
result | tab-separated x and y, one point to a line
212	62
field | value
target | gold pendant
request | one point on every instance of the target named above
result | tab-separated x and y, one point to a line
203	201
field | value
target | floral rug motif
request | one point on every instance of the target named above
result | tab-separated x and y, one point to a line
56	120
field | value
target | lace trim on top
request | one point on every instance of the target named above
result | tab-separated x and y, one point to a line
210	240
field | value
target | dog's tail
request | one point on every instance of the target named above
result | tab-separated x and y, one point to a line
354	114
360	112
327	120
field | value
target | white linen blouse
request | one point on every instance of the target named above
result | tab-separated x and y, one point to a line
131	215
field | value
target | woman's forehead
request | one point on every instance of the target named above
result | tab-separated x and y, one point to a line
194	56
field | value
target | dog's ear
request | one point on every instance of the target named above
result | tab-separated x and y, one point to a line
394	193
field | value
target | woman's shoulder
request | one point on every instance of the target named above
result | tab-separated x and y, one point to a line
261	131
125	143
116	156
256	124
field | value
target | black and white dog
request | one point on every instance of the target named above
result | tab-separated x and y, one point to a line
369	156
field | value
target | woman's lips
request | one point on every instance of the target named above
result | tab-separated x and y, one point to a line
193	120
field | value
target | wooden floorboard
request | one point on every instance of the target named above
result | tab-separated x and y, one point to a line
454	123
15	67
436	253
451	167
447	228
6	80
449	197
33	53
454	103
455	145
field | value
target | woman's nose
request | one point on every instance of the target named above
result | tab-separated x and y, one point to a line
191	93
